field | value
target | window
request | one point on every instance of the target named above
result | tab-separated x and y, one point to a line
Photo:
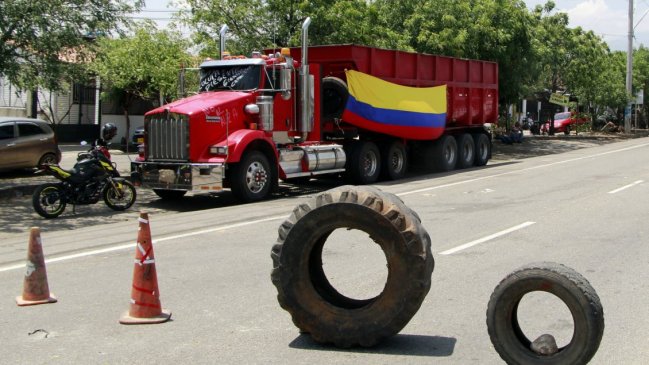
29	129
83	94
7	131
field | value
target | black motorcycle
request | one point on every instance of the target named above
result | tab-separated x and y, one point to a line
93	177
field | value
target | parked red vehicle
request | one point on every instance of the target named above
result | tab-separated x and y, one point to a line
308	111
564	122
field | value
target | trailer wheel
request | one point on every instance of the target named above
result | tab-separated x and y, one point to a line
303	289
568	285
444	153
334	97
252	177
466	151
482	149
364	163
394	160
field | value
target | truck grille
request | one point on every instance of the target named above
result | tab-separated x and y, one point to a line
168	137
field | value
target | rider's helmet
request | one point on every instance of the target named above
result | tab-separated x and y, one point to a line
108	132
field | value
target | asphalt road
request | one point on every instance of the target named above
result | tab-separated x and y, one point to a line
584	208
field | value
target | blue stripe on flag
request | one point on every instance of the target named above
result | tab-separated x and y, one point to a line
395	117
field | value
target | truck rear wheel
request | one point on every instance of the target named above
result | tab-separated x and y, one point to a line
482	149
252	178
364	163
445	153
304	290
394	160
466	151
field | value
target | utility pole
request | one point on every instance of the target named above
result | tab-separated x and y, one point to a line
629	71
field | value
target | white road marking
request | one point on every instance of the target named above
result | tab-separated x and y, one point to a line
486	238
448	252
626	187
132	245
521	170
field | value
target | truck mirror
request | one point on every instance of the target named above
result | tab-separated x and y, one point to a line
285	82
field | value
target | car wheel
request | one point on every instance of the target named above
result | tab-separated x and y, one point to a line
48	159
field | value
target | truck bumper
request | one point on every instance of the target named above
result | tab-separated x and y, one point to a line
178	176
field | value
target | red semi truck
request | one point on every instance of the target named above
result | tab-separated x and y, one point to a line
259	120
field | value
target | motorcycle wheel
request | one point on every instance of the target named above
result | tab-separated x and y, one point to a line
120	196
49	200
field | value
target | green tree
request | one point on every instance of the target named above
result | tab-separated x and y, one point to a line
45	42
145	66
495	30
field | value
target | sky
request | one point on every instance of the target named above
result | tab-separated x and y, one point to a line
606	18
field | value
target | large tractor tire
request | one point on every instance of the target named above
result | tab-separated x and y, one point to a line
303	289
568	285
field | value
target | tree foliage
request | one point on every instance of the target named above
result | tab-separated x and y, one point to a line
44	42
144	65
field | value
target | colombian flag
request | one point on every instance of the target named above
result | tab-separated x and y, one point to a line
402	111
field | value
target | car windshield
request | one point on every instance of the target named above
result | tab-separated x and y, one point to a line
235	77
559	116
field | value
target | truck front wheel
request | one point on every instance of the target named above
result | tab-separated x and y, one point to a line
252	177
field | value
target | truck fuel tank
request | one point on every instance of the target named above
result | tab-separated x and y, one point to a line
317	158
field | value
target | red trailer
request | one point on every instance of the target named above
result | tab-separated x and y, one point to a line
362	112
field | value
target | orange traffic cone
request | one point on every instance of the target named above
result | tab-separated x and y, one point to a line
145	298
35	288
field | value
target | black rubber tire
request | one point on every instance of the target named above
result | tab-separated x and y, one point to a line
334	97
166	194
121	198
465	150
394	160
303	290
48	158
566	130
569	286
252	178
482	149
46	196
364	163
444	154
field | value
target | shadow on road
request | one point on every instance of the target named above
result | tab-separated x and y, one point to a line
411	345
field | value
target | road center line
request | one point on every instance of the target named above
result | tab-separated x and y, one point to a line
521	170
125	246
486	238
626	187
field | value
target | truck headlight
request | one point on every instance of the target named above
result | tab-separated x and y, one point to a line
219	150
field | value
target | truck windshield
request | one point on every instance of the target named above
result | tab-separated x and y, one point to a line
239	77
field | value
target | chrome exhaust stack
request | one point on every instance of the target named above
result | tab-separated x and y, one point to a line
306	115
222	32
